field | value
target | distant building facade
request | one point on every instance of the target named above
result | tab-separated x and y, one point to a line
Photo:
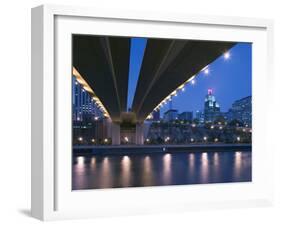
186	115
241	110
91	132
211	107
156	115
84	108
199	115
170	115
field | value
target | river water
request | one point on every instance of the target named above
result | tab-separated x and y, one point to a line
158	169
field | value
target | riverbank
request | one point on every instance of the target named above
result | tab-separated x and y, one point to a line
169	148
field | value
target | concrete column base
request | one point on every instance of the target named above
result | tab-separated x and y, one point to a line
115	133
140	133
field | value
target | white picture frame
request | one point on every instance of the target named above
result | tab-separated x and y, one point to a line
51	197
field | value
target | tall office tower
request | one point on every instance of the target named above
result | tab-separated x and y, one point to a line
211	107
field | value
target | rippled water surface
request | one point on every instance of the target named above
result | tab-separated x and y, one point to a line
157	169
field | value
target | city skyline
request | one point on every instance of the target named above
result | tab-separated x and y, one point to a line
240	110
84	106
200	110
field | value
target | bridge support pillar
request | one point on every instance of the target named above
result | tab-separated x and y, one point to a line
139	133
115	134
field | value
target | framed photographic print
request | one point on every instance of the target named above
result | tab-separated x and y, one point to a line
134	112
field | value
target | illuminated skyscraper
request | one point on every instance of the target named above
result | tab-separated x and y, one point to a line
211	107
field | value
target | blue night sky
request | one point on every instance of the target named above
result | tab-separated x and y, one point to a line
229	79
136	56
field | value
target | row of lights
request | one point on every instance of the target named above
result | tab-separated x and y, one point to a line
167	139
87	88
126	139
100	106
205	70
212	126
80	139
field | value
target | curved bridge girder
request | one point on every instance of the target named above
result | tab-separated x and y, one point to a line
169	63
104	64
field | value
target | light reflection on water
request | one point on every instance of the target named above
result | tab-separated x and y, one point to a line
126	171
160	169
167	160
93	163
80	161
216	167
106	180
191	165
216	159
237	164
148	173
204	167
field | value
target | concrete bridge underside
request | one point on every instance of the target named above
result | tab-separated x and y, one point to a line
103	62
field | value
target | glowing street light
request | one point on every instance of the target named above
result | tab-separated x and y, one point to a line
206	71
126	139
147	140
93	140
216	139
191	140
149	116
212	127
226	55
205	138
80	138
167	139
238	139
105	140
96	118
